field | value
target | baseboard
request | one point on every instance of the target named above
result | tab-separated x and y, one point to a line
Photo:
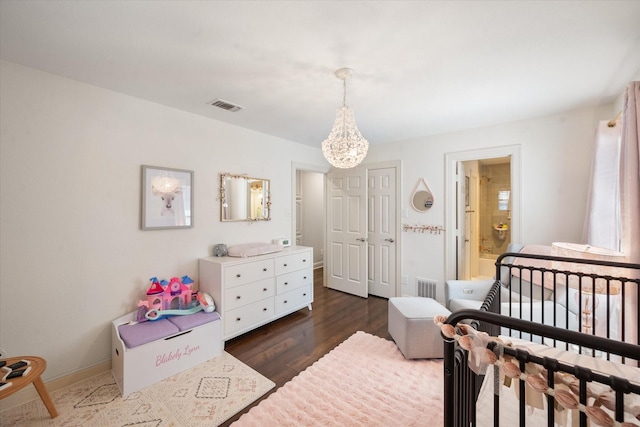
29	393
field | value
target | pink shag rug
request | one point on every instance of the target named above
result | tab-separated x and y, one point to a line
365	381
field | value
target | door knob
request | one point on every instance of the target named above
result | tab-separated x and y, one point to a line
360	239
389	240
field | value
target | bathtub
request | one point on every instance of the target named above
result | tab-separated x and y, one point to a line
487	265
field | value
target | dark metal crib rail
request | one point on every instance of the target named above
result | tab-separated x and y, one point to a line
461	385
626	280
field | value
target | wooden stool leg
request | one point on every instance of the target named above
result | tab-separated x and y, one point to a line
44	395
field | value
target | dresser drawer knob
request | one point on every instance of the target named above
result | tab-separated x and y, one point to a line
237	319
286	283
304	277
264	309
238	297
264	269
285	265
285	301
264	289
304	260
238	275
304	295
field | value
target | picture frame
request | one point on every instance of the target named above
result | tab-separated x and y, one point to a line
166	198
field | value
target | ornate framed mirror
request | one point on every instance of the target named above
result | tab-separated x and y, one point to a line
244	198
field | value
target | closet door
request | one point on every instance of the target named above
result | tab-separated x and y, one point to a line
346	260
381	231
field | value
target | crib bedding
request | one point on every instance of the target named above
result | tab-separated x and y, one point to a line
536	411
579	294
528	269
539	271
582	362
537	403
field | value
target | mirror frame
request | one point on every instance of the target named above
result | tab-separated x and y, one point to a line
223	197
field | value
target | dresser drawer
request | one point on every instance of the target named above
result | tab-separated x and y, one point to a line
250	272
285	264
248	315
290	281
246	294
292	299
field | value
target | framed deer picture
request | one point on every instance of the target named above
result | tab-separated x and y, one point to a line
167	198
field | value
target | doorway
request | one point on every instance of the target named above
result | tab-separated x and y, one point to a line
487	215
463	221
308	209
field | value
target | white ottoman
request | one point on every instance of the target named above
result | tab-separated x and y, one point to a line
411	326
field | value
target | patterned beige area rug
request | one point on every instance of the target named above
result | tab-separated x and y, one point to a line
206	395
365	381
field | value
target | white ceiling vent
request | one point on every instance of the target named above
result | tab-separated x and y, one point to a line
225	105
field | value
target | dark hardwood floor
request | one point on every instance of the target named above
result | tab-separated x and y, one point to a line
282	349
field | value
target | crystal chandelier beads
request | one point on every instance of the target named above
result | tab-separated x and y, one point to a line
345	147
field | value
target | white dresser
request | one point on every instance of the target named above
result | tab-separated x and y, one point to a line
249	292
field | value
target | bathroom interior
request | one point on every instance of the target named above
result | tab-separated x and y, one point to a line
492	234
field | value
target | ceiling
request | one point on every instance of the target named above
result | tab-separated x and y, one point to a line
421	67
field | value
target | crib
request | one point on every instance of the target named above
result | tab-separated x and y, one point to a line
596	350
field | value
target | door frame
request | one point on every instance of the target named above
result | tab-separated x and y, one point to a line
451	161
306	167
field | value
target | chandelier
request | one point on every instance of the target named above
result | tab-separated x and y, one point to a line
345	147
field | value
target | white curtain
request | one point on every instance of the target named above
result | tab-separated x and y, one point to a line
630	198
602	227
613	207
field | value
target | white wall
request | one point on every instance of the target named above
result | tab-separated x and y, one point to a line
555	156
73	255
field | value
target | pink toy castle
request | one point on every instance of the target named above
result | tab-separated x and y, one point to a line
174	295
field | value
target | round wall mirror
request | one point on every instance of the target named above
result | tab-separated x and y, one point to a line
422	200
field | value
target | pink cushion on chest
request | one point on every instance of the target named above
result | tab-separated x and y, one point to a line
191	321
145	332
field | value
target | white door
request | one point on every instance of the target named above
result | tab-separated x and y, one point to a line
381	231
346	261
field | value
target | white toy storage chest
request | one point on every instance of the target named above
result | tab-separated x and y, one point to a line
182	348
